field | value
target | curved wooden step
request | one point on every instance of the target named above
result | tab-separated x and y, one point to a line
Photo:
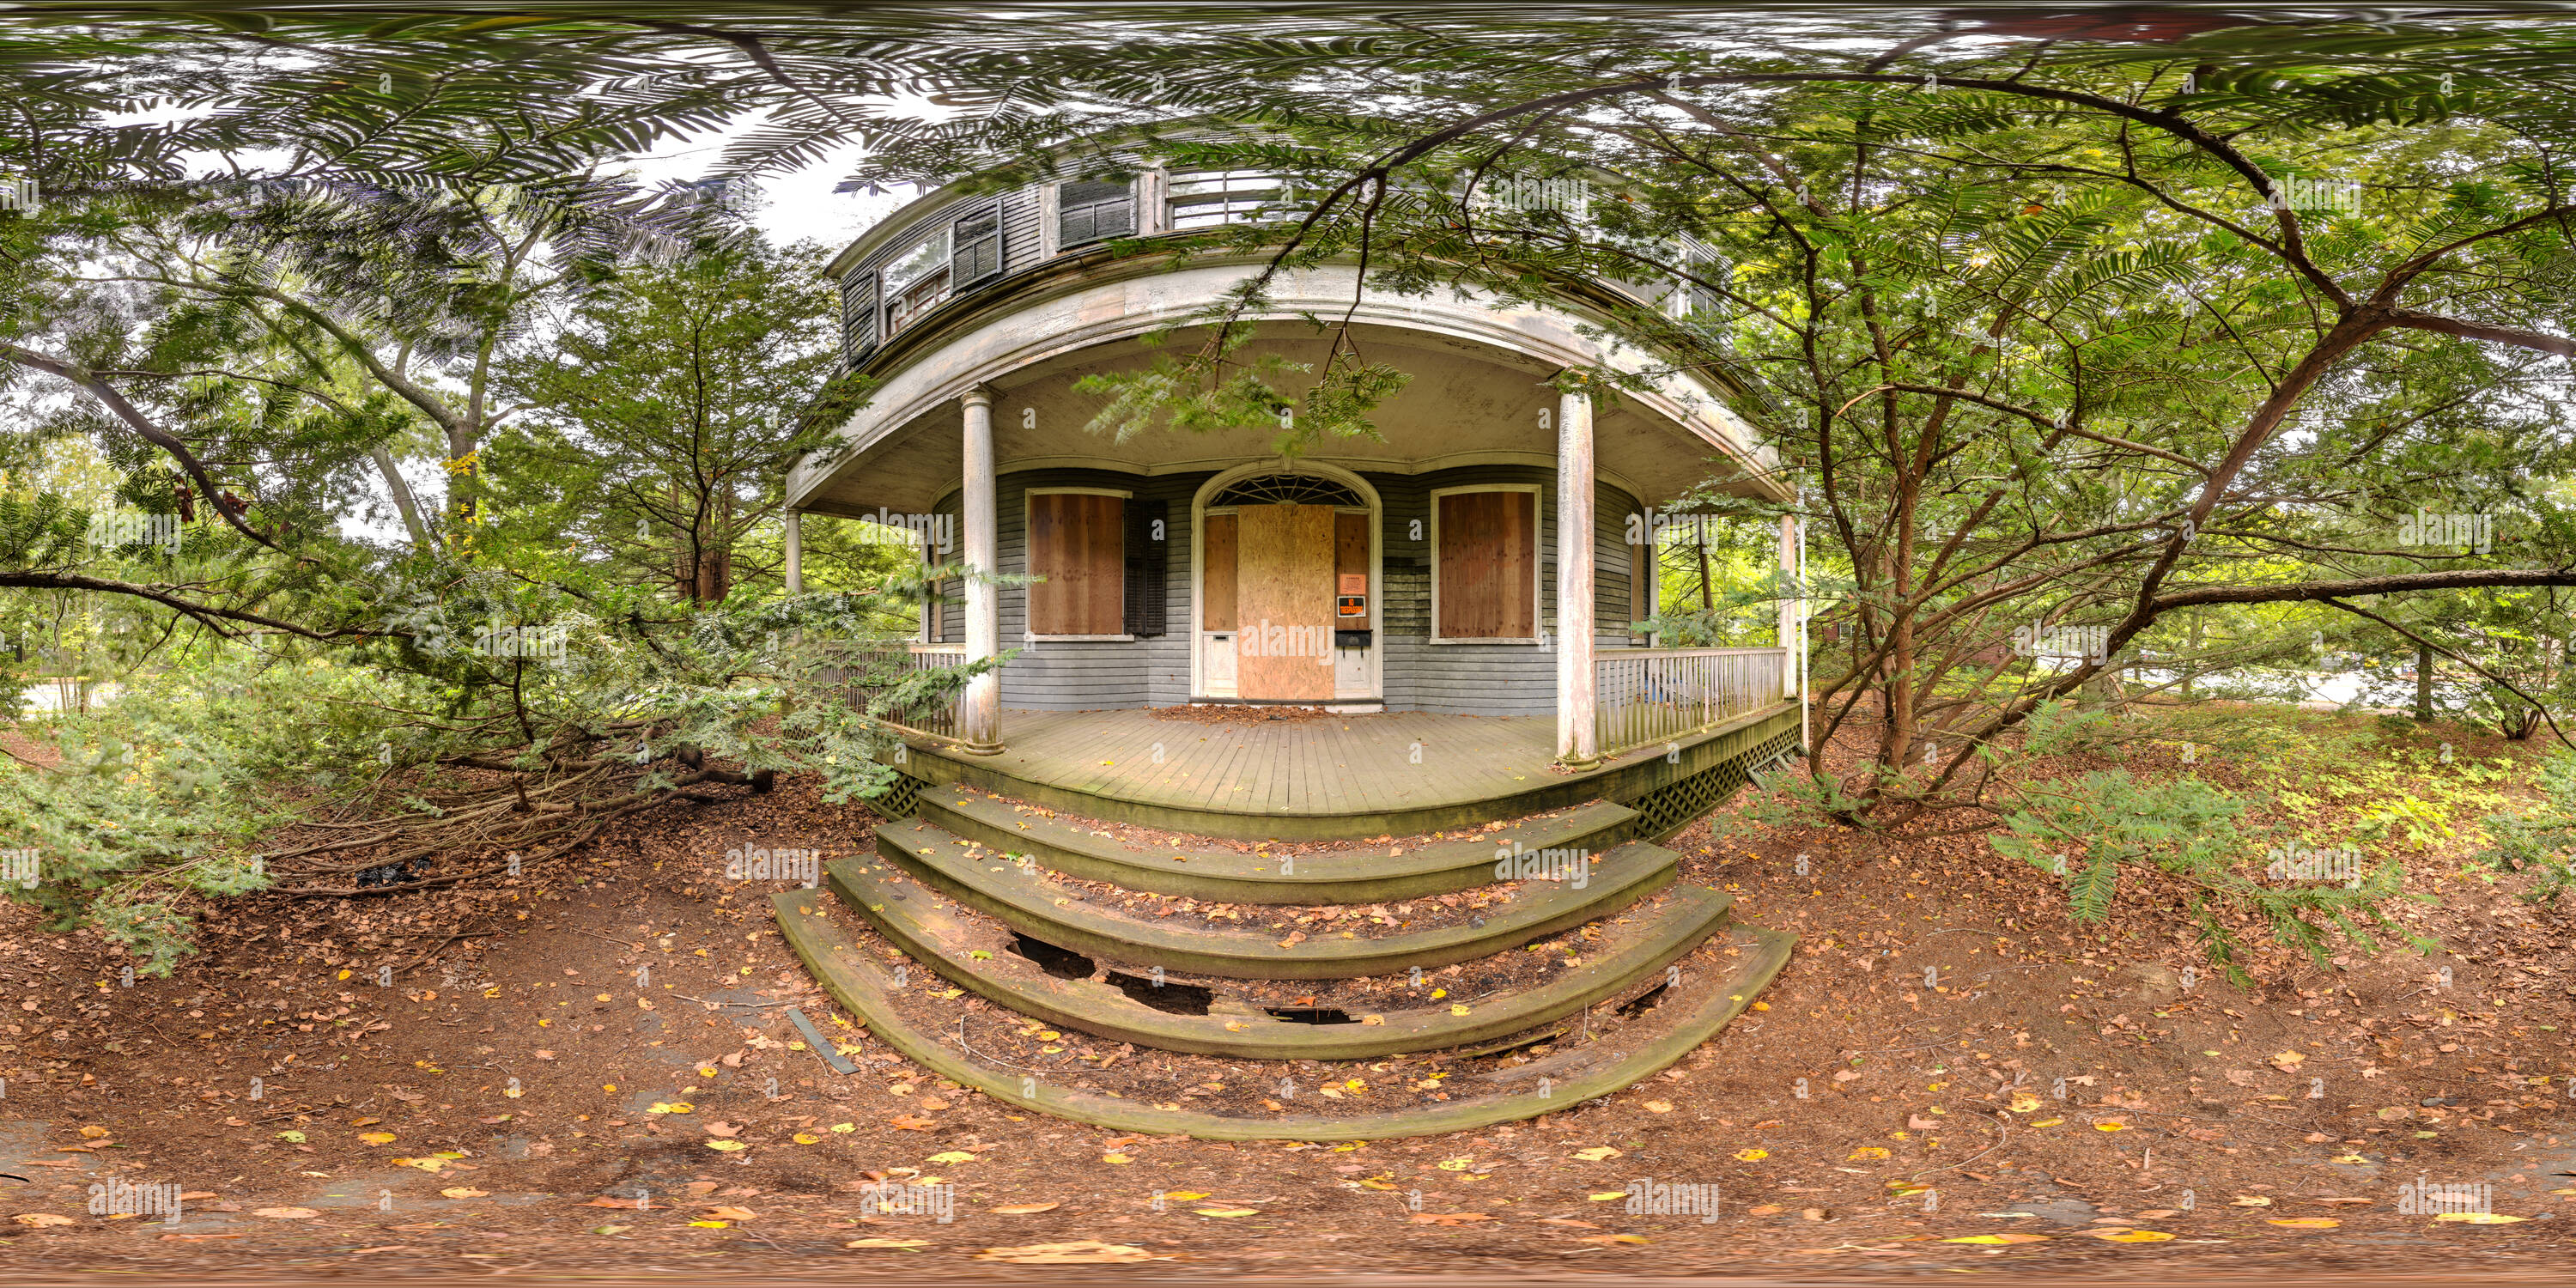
1353	876
1022	898
1710	997
942	939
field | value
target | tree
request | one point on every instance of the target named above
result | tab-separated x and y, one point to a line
666	406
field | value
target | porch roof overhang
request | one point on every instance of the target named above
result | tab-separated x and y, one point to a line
1479	383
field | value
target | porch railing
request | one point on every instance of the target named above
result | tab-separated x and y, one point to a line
1642	696
876	665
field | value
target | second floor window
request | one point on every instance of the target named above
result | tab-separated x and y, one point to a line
945	260
1208	198
1089	210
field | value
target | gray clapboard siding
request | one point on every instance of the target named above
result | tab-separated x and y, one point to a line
1459	679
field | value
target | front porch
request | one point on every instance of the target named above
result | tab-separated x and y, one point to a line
1343	777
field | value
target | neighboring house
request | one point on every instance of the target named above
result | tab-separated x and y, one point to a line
1475	560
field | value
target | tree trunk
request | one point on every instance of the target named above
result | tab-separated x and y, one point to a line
2191	663
2423	681
403	499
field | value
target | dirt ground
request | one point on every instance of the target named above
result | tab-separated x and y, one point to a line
1948	1058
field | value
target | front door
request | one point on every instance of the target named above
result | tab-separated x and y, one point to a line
1283	594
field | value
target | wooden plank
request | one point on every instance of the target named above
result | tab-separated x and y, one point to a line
1077	543
1284	598
1216	573
1488	548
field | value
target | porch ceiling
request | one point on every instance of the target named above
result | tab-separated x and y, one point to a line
1466	404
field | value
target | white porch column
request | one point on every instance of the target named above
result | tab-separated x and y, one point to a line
795	522
1791	607
1577	740
980	717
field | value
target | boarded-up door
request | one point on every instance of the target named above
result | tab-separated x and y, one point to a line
1284	602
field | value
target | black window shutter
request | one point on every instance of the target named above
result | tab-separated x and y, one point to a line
858	315
1148	559
975	248
1090	211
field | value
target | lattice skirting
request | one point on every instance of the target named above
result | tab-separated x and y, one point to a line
903	799
1670	808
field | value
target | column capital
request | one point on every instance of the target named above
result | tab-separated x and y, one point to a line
977	396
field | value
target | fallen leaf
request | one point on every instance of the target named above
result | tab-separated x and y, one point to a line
1227	1212
40	1219
201	1236
1659	1106
1447	1218
1752	1155
728	1146
1567	1220
631	1205
910	1122
1117	1158
953	1156
377	1137
2480	1218
1596	1153
2305	1222
463	1192
901	1244
2011	1236
2289	1061
1083	1252
671	1107
93	1132
1865	1152
2251	1200
720	1128
731	1214
1025	1209
1612	1238
284	1213
2128	1236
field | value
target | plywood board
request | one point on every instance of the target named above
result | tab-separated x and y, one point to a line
1216	573
1284	589
1488	565
1077	543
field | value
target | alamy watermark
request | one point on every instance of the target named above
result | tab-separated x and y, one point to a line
1271	639
801	866
911	531
20	195
2296	862
119	1198
119	528
1659	1198
2467	531
18	868
894	1198
2420	1197
535	642
2086	642
1569	865
1675	531
2342	196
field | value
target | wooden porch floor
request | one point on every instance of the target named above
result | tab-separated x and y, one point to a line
1356	764
1311	777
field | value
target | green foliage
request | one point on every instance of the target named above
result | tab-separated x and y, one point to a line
2540	840
2093	830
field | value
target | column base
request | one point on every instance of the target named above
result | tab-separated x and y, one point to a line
982	748
1578	764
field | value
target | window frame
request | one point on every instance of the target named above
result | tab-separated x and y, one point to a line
1028	561
1538	564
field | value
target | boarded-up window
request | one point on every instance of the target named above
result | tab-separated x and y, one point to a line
1216	574
1077	543
1487	565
